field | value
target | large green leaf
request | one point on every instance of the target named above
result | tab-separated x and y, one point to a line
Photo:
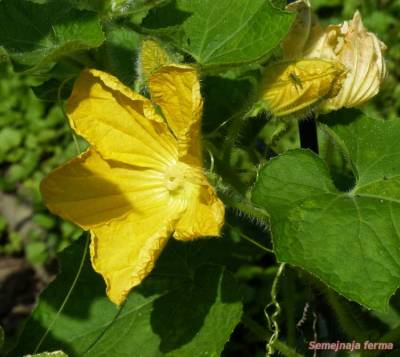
36	35
223	32
350	240
187	307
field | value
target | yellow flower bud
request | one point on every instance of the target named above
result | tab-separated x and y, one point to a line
293	87
152	57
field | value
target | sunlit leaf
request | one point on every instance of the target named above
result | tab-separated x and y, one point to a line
223	32
350	240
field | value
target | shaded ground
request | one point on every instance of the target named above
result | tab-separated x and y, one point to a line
20	281
20	284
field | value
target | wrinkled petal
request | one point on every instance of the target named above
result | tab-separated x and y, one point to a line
125	251
204	215
176	89
121	124
292	86
360	51
90	191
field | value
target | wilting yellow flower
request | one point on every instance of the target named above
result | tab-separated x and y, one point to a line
141	180
295	86
360	51
362	54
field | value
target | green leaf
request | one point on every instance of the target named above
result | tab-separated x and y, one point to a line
36	35
350	240
187	307
223	32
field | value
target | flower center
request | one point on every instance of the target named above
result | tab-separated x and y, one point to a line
175	177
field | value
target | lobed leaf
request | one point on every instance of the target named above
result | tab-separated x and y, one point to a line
350	240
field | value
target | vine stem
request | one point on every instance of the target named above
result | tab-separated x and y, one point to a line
262	333
272	321
78	273
252	241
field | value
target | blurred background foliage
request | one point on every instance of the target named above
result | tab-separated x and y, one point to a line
35	138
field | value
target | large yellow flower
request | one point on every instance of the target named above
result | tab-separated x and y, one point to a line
141	180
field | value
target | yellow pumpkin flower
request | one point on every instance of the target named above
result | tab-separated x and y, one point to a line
141	180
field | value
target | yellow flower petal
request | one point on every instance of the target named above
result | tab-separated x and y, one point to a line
176	89
125	251
204	215
292	86
90	191
121	124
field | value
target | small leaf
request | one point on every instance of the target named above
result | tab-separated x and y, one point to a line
173	313
223	32
36	35
350	240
